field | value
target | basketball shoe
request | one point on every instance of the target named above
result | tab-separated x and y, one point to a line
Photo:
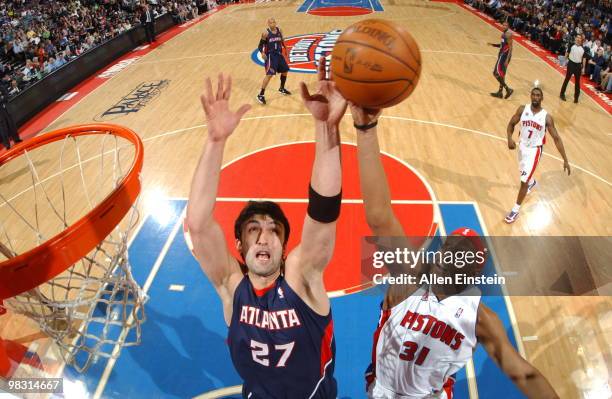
511	217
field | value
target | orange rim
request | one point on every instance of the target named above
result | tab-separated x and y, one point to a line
38	265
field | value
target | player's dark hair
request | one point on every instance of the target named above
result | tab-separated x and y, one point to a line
269	208
538	89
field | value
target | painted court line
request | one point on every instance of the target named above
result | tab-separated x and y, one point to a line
177	131
305	200
509	307
111	362
470	372
530	338
67	96
220	393
176	287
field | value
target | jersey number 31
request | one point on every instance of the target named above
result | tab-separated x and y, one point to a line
409	350
260	352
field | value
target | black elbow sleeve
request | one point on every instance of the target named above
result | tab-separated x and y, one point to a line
323	209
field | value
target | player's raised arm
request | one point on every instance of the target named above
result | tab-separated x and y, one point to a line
209	244
374	186
516	118
550	125
316	248
492	335
380	217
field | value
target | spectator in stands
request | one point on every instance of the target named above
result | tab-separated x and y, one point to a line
68	28
596	45
49	65
597	63
59	61
29	71
606	79
147	19
14	88
8	129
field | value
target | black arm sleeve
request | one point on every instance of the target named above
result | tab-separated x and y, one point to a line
323	209
262	43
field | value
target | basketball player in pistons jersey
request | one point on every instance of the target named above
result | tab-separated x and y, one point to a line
503	59
271	48
281	337
426	333
534	121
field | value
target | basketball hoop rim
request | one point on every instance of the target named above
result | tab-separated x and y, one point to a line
38	265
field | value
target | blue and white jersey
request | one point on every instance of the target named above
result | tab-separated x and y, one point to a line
281	347
274	42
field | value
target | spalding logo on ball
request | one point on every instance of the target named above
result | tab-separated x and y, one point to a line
376	63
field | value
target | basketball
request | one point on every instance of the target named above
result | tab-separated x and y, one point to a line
376	63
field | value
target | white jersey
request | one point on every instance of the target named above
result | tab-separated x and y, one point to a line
533	127
421	342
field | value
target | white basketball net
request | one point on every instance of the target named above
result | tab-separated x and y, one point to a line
95	307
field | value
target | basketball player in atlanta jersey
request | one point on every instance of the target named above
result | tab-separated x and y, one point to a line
534	121
426	333
271	47
280	337
503	59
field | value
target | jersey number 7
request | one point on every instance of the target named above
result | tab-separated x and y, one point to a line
260	352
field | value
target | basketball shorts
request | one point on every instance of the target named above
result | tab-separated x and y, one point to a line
377	391
500	66
276	63
528	161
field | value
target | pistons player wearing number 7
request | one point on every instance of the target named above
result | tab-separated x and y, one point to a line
427	332
534	121
281	337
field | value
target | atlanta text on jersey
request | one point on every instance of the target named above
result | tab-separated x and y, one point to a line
270	320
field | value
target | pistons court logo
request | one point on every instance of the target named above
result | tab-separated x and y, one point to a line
304	51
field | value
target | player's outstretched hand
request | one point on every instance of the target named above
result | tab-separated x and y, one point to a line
566	167
220	120
364	116
511	144
327	104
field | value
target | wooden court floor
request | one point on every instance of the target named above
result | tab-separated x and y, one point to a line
450	130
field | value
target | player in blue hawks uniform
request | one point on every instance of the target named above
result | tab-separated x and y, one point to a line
280	323
271	48
503	59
